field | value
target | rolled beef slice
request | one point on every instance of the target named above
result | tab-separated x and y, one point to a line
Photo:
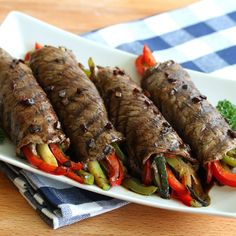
134	114
26	114
189	112
76	101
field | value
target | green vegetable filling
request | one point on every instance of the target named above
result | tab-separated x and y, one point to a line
230	158
135	186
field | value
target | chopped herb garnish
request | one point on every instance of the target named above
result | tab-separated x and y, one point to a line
228	111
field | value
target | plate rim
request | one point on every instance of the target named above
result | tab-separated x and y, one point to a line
112	192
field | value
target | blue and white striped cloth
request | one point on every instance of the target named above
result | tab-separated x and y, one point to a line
58	204
201	37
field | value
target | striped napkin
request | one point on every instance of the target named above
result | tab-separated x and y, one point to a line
58	204
201	37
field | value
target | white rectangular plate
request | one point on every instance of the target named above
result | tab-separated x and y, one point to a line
19	32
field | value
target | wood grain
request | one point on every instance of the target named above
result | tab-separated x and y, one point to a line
16	215
18	218
84	15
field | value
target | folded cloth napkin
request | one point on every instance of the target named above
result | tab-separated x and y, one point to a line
201	37
57	203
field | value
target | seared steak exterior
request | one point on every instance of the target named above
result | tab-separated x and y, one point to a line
76	101
133	113
26	114
189	112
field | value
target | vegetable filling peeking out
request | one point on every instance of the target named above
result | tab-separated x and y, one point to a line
94	141
155	153
193	117
29	120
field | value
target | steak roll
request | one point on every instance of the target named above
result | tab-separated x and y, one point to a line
79	107
27	116
153	147
194	118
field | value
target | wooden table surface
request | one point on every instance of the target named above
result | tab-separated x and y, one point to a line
16	215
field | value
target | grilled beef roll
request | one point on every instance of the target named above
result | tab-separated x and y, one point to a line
28	118
152	144
132	113
26	115
81	111
193	117
76	101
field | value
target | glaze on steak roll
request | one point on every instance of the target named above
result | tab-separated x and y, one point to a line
76	101
150	140
192	116
25	112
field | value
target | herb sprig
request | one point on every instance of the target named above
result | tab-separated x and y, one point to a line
228	111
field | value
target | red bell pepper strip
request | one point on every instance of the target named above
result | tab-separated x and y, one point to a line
179	190
209	172
174	183
121	174
42	165
62	159
139	65
148	58
144	61
223	176
186	199
74	176
37	46
27	56
147	175
115	169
